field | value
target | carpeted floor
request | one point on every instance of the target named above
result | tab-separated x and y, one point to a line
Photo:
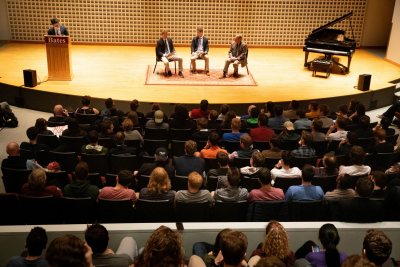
199	78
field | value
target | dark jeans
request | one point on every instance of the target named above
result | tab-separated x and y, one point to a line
392	110
202	248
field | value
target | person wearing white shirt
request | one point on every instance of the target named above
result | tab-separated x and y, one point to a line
283	167
357	156
199	50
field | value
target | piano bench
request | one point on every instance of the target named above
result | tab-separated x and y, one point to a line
322	65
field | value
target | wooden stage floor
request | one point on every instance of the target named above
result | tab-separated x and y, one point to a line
120	72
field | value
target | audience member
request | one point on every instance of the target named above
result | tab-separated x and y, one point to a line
233	249
85	108
257	161
110	110
159	187
41	125
305	149
80	186
213	123
202	130
106	129
35	243
316	127
194	193
379	179
364	187
133	116
262	133
277	121
357	261
313	110
342	112
120	148
157	122
276	243
356	116
377	247
134	106
154	108
163	248
274	151
270	109
266	191
270	261
329	166
339	126
36	185
288	133
202	111
381	145
96	236
362	128
346	144
129	132
306	191
189	162
246	148
235	134
323	116
330	256
181	119
227	121
343	188
14	159
232	193
291	112
93	147
246	116
385	125
33	146
284	167
223	160
73	129
252	121
160	160
60	115
357	157
69	251
211	149
223	109
120	190
302	122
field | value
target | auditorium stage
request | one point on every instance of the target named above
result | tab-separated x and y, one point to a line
120	72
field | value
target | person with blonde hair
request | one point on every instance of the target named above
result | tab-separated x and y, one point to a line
194	193
130	133
159	187
276	243
163	248
36	185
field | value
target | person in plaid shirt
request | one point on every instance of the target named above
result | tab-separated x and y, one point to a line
305	149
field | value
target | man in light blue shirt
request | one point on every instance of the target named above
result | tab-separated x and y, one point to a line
306	191
199	50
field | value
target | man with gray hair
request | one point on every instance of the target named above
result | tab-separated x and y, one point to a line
237	55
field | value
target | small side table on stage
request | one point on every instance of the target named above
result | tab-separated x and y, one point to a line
58	50
322	65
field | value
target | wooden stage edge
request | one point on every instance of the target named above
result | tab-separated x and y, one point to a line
120	72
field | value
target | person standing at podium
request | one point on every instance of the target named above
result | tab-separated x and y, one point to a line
57	28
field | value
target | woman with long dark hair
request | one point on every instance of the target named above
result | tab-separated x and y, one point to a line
329	256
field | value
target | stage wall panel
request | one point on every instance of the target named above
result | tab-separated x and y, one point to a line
262	22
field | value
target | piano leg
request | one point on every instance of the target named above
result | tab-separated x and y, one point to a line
348	63
306	64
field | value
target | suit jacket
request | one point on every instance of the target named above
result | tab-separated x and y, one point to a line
239	51
195	44
161	48
63	29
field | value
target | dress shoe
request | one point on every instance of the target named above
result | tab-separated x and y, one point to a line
193	71
165	74
169	73
223	76
181	74
207	73
235	75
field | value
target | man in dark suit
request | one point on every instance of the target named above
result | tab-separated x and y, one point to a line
237	55
58	28
166	52
199	50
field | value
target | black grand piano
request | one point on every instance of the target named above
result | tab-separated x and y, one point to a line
330	42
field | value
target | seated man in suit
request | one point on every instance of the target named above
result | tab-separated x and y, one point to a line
199	50
237	55
58	28
166	52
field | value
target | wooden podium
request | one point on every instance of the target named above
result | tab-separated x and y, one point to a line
58	50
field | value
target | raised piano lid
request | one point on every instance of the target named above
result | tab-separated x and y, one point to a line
333	22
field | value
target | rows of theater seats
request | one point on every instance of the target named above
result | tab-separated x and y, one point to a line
18	210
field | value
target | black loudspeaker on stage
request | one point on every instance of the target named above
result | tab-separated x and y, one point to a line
364	80
30	79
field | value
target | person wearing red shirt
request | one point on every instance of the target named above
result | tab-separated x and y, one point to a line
262	132
200	112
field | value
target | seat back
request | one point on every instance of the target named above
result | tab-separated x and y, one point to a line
358	210
366	143
231	146
210	164
142	182
124	162
41	210
59	179
305	211
212	182
51	141
156	134
78	210
133	143
10	210
192	212
230	211
320	147
154	210
381	161
86	118
284	182
270	162
333	145
180	134
250	183
67	160
177	148
14	179
115	211
151	145
106	142
73	144
301	161
180	183
97	163
392	139
289	144
241	162
264	211
327	183
261	145
94	178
